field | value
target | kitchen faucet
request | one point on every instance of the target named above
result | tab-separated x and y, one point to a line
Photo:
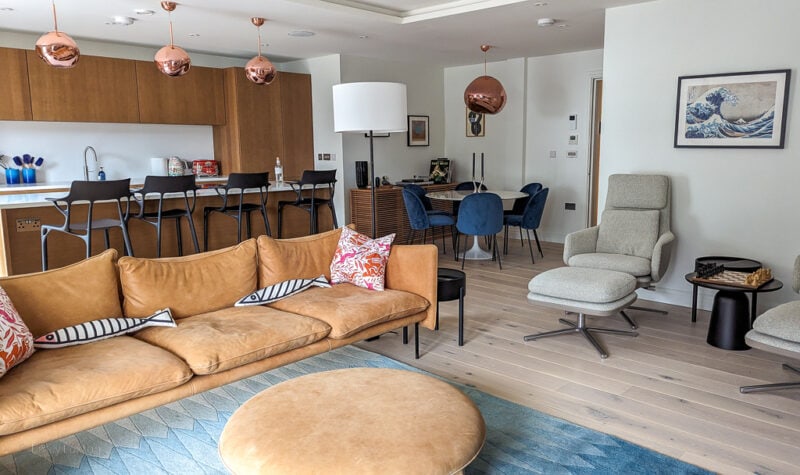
85	163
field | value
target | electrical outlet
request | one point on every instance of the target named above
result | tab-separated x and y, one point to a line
553	154
572	154
25	225
569	206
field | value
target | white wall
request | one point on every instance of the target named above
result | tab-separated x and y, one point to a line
542	92
559	86
504	139
393	157
725	201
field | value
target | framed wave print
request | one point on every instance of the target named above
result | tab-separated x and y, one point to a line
734	110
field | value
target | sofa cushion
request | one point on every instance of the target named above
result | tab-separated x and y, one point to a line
47	301
349	309
305	257
57	384
361	261
102	329
188	285
629	232
16	340
224	339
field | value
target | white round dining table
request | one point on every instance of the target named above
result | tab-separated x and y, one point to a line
476	252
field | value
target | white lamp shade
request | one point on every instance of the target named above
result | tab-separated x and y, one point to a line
363	106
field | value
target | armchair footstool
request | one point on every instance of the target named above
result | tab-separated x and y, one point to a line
583	291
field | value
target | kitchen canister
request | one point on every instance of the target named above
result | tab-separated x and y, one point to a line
158	166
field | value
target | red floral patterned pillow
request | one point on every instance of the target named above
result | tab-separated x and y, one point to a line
360	260
16	341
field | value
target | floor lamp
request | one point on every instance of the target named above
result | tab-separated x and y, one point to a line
370	107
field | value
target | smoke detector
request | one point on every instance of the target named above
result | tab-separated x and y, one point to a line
545	22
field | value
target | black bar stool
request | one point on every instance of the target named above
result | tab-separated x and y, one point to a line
160	185
91	192
313	180
233	205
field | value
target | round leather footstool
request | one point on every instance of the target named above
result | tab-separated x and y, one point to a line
451	285
357	420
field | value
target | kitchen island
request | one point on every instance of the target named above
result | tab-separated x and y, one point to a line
22	214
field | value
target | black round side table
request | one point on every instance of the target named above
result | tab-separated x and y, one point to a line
740	264
452	284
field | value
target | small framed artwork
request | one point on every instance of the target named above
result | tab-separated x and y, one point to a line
418	131
733	110
476	124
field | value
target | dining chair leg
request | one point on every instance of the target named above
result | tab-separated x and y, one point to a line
537	243
521	241
280	220
497	253
247	224
333	215
126	240
453	240
505	240
463	256
530	246
457	239
411	237
424	235
44	249
105	238
266	221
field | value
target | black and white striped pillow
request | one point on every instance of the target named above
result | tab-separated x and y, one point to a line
97	330
281	290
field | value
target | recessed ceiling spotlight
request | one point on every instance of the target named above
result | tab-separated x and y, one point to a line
144	12
363	37
194	35
301	33
6	9
563	25
264	44
545	22
121	20
540	4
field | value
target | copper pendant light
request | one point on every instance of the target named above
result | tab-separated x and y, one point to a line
172	60
260	70
485	94
56	48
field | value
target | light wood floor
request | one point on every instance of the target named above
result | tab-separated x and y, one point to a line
665	389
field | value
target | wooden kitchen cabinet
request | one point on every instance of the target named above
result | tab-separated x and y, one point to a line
15	94
193	99
97	89
264	122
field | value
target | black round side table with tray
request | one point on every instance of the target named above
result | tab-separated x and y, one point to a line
452	284
731	316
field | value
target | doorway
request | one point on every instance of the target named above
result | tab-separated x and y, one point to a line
594	162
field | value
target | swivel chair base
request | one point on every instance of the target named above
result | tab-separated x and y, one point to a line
580	327
772	387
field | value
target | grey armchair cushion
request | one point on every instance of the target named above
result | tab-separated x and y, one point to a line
781	322
636	266
629	232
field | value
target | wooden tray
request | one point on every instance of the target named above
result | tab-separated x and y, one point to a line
730	278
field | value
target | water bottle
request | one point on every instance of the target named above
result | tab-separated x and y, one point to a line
278	172
101	175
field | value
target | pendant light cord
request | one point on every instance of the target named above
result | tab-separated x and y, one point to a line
171	41
55	17
259	41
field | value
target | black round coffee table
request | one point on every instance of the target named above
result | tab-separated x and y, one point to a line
730	316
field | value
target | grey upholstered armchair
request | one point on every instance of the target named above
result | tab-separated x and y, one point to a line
633	235
778	331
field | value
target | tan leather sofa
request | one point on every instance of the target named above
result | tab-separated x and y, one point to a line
62	391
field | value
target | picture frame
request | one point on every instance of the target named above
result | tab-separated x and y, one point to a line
418	131
732	110
475	123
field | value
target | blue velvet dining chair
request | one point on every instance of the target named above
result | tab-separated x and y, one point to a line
426	202
519	204
465	186
480	214
529	220
422	221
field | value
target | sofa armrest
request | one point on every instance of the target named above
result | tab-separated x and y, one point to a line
414	269
580	242
661	254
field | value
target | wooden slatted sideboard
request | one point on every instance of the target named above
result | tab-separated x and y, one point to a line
391	214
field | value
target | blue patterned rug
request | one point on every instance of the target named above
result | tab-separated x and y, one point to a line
181	437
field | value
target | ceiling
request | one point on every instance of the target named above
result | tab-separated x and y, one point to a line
442	32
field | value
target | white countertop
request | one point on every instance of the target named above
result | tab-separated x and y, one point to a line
33	200
64	185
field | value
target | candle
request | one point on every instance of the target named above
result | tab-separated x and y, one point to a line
473	166
481	167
